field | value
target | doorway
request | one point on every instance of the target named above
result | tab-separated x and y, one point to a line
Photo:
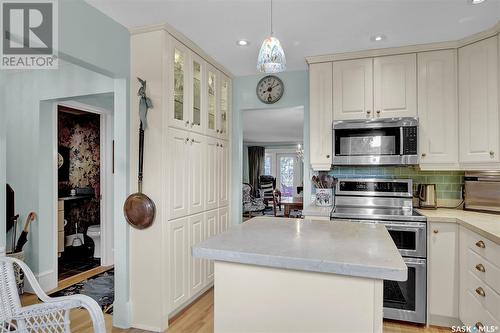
83	212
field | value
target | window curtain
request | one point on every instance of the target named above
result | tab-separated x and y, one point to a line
255	165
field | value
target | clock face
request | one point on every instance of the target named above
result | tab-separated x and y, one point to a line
270	89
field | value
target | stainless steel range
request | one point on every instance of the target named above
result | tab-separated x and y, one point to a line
390	202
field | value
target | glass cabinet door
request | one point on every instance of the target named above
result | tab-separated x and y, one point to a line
224	107
196	95
180	117
211	101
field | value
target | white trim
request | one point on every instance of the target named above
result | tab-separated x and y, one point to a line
2	251
55	203
45	279
406	49
184	40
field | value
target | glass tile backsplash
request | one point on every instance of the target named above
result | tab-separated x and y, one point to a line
449	183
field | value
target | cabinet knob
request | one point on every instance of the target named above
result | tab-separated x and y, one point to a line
218	131
217	144
221	145
492	154
187	140
480	244
192	125
378	113
479	325
327	156
368	112
480	268
187	122
424	154
480	292
435	231
192	140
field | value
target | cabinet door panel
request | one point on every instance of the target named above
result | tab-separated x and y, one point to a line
211	93
197	271
178	173
223	173
197	111
224	106
212	229
395	86
321	115
223	219
179	69
437	108
352	89
196	179
212	174
179	261
443	270
478	102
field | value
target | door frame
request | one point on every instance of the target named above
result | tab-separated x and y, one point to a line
106	178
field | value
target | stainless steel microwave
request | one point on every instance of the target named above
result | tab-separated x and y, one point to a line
389	141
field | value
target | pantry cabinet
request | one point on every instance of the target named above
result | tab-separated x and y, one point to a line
443	273
196	265
395	86
212	229
438	109
223	173
178	173
178	250
321	115
224	107
478	102
353	89
212	174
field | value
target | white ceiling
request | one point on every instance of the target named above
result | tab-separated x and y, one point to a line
275	126
305	27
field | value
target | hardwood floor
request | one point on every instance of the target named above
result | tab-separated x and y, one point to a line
199	319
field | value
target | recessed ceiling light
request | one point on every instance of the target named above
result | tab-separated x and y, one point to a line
477	2
378	38
242	42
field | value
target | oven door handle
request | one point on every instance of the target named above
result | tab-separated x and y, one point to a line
400	228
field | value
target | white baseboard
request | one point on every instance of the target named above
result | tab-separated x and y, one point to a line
45	279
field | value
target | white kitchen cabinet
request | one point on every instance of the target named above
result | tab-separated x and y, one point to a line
223	219
212	103
196	265
353	89
212	174
320	115
179	277
179	115
224	109
478	102
211	229
395	86
178	173
438	109
223	173
196	87
196	177
443	270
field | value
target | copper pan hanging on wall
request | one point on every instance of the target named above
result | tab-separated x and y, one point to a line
139	209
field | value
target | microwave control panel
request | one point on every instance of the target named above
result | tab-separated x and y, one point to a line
410	139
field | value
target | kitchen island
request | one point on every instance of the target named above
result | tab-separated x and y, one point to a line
293	275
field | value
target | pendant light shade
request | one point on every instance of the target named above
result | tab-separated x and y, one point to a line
271	56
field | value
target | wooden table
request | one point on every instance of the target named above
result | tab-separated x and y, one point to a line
290	203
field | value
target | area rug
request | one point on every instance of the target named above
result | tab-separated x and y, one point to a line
100	287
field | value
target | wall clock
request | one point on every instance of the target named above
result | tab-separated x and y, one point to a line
270	89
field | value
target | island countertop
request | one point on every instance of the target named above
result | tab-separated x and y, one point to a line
353	249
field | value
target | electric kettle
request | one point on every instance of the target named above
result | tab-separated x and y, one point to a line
427	197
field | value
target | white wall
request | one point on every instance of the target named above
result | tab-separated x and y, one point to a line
30	97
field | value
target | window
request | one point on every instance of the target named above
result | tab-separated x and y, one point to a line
286	167
268	165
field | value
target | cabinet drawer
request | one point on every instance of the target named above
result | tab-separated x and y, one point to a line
476	313
483	246
488	298
484	270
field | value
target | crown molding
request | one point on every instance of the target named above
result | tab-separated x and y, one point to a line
494	30
184	40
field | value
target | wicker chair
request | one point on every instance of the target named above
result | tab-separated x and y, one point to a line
50	316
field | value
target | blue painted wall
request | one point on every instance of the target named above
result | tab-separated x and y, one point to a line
244	98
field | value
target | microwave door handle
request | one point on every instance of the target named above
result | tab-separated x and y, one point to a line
401	141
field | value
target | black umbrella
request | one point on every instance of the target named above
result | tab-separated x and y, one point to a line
24	235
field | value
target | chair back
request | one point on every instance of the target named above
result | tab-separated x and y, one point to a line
246	193
10	302
267	184
276	201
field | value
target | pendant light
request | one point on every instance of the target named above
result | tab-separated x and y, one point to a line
271	56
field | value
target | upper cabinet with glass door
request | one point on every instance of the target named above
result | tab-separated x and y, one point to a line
211	90
224	106
179	112
197	107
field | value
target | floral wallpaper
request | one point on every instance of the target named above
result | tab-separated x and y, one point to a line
81	134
